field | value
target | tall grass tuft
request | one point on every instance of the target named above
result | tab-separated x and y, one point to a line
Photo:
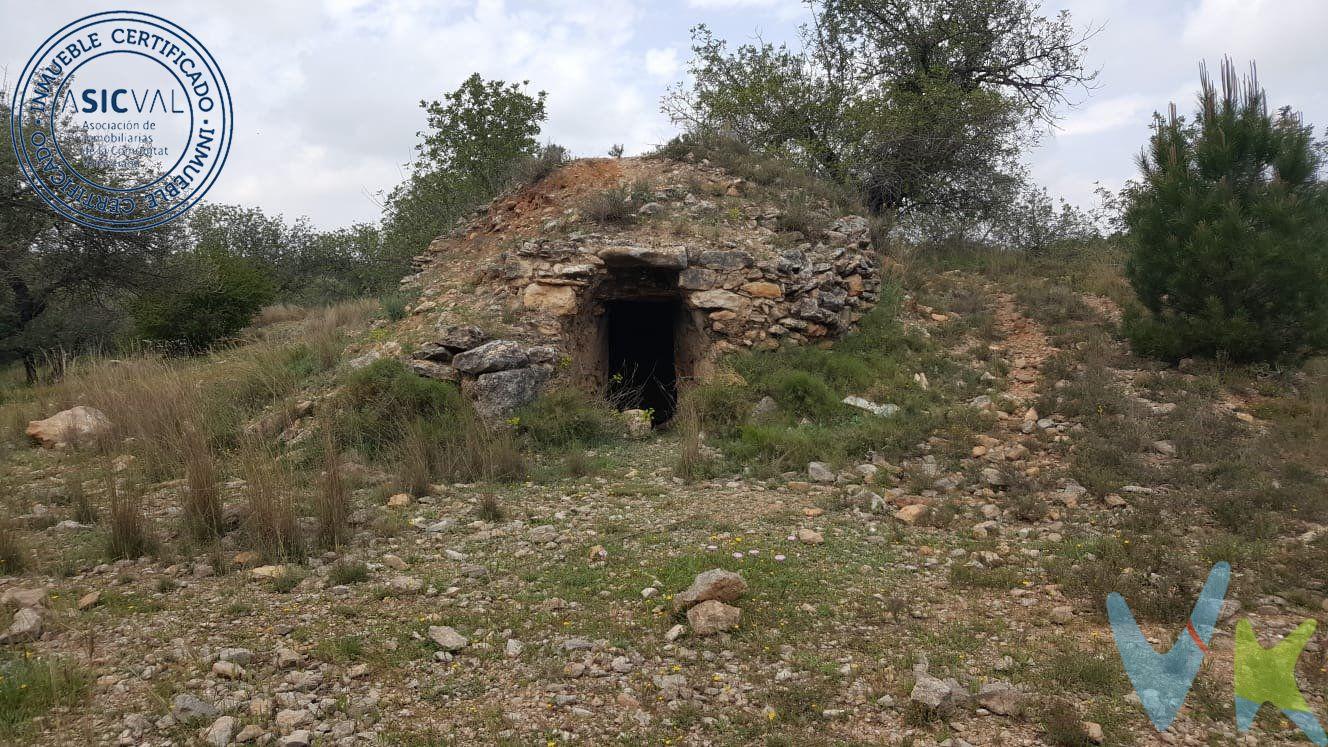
332	504
202	502
13	552
692	462
272	526
79	501
30	686
130	532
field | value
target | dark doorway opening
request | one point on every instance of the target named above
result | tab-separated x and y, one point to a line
641	355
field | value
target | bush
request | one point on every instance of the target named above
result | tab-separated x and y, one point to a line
563	417
222	295
424	426
1229	232
533	169
802	393
612	206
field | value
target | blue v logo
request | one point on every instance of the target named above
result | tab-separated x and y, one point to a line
1163	680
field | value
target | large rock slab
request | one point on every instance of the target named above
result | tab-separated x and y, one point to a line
447	638
664	258
73	426
558	300
27	626
718	299
499	355
716	583
458	337
497	395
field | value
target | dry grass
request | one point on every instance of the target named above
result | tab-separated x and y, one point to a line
279	313
130	531
491	508
14	557
272	526
692	462
332	502
78	498
202	500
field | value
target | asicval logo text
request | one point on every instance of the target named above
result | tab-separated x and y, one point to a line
1261	675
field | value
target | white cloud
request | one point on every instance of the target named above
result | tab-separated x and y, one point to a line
1106	114
662	63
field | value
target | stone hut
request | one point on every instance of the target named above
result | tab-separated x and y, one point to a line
514	300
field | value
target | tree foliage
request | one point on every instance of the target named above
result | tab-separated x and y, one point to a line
62	280
215	295
1228	226
919	104
478	136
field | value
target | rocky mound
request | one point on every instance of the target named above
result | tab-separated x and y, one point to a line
636	272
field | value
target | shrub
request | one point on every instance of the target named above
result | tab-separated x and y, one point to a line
802	393
490	508
345	572
567	416
611	206
533	169
394	305
222	295
77	495
389	413
1229	232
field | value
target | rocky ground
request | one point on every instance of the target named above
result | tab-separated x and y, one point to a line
950	594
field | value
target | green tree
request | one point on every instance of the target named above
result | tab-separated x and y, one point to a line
1228	228
61	284
219	295
919	104
478	136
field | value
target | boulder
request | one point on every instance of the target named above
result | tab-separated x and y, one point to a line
1002	698
762	289
716	583
76	425
497	395
219	734
558	300
432	351
638	423
186	708
911	514
434	370
447	638
713	616
498	355
27	626
24	597
458	337
885	411
820	472
936	694
697	278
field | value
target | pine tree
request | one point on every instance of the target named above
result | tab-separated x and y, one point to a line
1229	231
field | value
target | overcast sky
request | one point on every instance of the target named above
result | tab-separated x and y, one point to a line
326	92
